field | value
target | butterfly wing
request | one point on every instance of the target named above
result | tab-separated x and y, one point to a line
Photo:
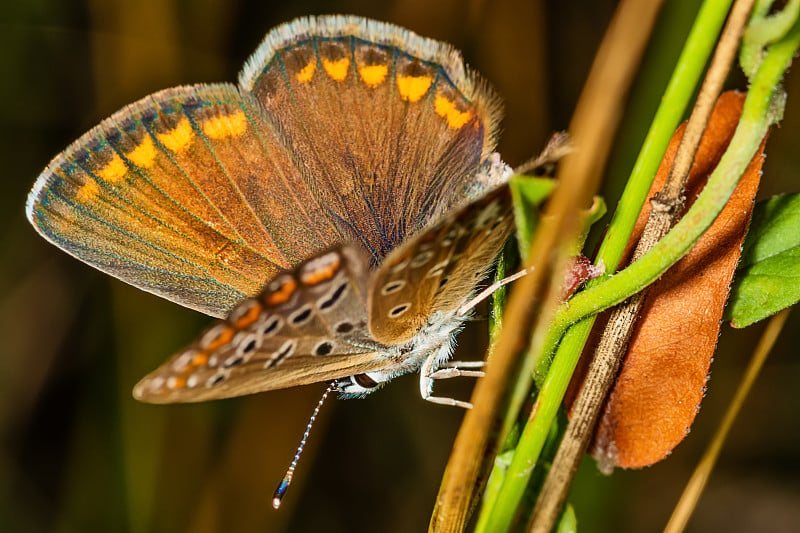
343	127
387	127
189	194
438	269
308	325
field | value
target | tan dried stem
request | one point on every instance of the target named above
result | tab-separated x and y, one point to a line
535	297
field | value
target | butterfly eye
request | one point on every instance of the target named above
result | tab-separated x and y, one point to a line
363	380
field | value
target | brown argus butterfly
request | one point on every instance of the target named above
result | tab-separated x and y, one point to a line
340	207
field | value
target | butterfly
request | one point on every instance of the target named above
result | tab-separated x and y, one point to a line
336	210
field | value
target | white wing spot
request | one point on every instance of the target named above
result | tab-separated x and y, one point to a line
393	286
399	310
421	259
437	269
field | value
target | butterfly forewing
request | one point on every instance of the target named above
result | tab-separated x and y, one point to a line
343	129
187	194
388	126
308	325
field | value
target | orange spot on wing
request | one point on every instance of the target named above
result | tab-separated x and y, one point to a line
337	69
144	154
412	88
282	295
447	109
221	127
179	138
322	272
373	75
307	72
176	382
114	170
223	337
249	317
88	191
200	359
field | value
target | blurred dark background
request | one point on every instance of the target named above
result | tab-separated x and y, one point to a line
77	453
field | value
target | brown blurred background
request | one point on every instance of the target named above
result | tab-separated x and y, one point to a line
77	453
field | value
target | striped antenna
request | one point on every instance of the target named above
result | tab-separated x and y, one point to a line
283	486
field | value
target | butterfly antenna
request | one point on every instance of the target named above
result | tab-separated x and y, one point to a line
283	486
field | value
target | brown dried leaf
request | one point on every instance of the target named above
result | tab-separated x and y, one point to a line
663	377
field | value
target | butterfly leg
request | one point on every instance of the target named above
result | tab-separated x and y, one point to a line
488	291
463	364
455	369
451	369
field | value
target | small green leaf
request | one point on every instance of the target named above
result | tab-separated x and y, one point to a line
528	192
568	522
768	277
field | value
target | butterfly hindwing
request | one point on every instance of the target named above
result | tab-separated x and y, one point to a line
438	269
308	325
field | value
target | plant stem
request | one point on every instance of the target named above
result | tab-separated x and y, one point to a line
611	349
684	79
757	115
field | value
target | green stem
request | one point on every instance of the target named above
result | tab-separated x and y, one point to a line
682	84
